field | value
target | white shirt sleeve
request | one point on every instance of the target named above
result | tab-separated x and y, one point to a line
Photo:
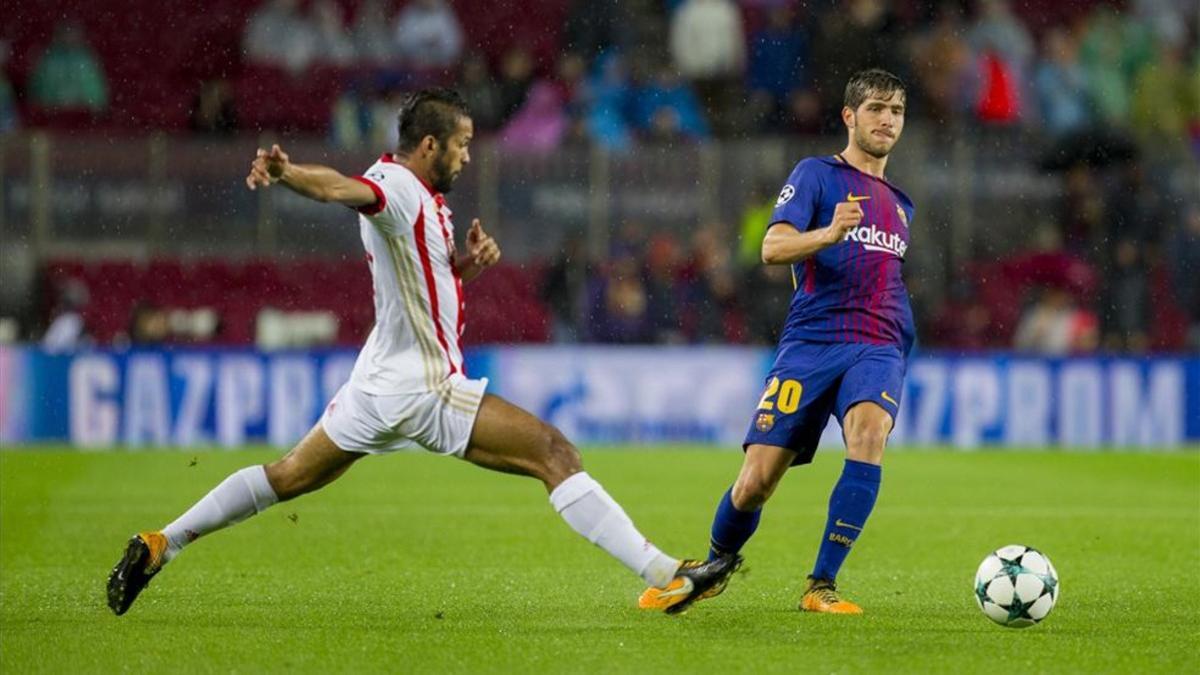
397	198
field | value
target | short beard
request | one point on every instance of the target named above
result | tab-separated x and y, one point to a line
442	179
864	143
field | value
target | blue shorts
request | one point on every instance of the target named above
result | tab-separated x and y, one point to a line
812	380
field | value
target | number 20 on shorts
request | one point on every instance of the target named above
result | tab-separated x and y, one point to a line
783	396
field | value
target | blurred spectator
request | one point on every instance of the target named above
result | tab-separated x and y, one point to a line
1127	303
1005	53
1082	209
279	35
708	47
778	57
756	217
479	90
850	37
351	118
149	325
666	109
563	288
571	74
516	76
711	286
610	99
999	31
1167	20
428	34
803	112
1055	325
383	108
593	27
1195	113
707	40
766	295
213	111
365	115
540	124
334	44
619	304
1136	209
572	82
1164	100
1183	258
1061	86
943	65
1112	51
68	75
963	321
372	35
8	103
67	331
664	294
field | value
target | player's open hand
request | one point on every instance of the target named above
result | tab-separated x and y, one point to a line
846	217
482	248
267	167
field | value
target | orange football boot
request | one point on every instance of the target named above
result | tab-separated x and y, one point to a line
821	596
144	556
695	580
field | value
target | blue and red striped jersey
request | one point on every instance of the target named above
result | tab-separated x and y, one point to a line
852	291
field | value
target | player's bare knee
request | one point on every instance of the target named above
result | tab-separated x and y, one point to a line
865	443
559	459
752	490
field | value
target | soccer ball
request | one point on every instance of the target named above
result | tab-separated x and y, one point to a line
1016	586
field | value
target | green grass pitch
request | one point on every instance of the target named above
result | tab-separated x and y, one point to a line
414	563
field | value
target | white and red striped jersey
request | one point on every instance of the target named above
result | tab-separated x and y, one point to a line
409	239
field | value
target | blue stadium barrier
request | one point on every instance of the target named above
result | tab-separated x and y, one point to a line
231	397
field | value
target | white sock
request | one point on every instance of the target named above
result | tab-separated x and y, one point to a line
589	510
241	495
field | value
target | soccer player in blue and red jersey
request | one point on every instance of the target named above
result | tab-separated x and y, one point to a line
843	228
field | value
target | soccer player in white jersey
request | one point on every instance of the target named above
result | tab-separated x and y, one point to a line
408	388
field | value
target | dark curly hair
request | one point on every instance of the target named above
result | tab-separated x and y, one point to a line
872	81
430	112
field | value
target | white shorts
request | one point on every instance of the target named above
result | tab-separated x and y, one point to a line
439	421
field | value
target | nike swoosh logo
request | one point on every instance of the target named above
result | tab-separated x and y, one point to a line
682	590
841	523
889	399
851	197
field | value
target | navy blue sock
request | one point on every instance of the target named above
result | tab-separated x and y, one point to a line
731	528
849	507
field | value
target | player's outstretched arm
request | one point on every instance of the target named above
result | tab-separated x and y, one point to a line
785	245
310	180
482	252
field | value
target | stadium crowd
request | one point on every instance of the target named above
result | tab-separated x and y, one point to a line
1118	267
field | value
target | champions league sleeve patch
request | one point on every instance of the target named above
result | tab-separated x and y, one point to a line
785	195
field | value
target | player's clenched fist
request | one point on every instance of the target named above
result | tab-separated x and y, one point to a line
267	167
482	248
846	217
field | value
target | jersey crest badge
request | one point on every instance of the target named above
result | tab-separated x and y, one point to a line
903	218
765	422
